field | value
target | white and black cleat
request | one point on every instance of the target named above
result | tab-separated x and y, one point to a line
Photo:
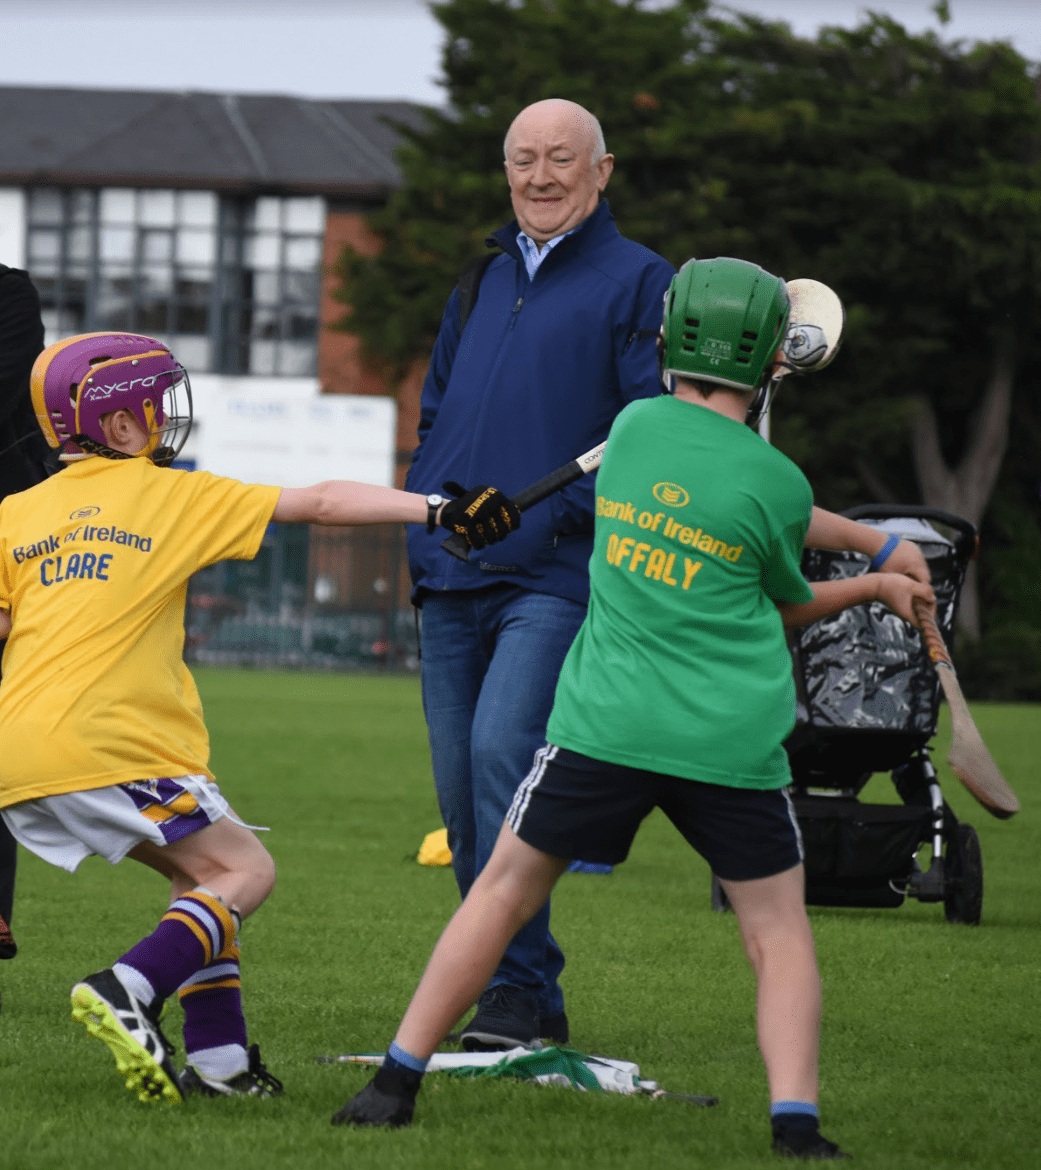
254	1081
132	1033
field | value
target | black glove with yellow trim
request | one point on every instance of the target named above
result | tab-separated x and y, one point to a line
483	514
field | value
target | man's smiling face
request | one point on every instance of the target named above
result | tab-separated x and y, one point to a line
554	183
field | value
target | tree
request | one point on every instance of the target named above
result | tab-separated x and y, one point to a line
907	174
902	170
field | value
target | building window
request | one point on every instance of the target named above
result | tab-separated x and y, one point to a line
232	285
270	284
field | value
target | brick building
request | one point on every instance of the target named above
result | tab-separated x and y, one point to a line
211	221
208	220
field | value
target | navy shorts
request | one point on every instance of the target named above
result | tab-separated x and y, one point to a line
572	806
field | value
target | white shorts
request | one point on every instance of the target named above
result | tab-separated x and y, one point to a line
65	829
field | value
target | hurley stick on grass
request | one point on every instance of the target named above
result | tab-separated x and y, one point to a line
968	756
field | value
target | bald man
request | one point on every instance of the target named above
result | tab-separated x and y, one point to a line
559	340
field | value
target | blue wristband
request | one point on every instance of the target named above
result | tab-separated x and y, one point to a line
883	554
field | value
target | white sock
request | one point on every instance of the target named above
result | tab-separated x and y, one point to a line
219	1064
132	979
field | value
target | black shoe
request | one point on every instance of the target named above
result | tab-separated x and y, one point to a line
810	1144
388	1099
506	1017
131	1031
255	1081
554	1029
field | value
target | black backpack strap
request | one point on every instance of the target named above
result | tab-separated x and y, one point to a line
469	282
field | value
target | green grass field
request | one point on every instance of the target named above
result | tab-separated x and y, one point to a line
930	1038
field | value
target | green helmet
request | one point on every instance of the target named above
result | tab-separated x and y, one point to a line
724	321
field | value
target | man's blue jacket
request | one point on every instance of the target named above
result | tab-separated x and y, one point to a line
536	378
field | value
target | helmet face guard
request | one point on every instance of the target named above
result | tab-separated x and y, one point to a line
724	322
77	381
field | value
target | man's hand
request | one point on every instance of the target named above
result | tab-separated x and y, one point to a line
898	592
483	514
907	559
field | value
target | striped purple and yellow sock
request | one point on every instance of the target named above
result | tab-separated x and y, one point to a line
214	1026
195	929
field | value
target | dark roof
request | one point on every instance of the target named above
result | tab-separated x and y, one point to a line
213	141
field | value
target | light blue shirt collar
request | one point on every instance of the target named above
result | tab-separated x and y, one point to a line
533	257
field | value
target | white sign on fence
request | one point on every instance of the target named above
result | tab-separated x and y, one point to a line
284	435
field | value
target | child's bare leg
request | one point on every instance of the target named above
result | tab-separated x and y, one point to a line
776	932
225	858
509	891
771	913
218	875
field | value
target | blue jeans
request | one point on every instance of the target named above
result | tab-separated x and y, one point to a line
491	658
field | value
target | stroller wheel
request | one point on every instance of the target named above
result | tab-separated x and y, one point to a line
720	902
963	877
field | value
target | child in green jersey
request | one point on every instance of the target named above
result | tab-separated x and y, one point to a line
677	692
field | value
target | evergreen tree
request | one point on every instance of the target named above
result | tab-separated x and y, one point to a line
905	173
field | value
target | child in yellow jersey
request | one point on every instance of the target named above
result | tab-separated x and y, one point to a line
103	749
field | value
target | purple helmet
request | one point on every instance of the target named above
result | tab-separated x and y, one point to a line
79	379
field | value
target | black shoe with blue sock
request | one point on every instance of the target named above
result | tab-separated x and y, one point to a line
796	1132
390	1097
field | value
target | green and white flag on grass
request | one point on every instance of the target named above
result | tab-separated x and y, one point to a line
554	1066
546	1066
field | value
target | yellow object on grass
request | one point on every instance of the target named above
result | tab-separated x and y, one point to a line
434	850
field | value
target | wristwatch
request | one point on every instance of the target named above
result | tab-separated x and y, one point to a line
434	501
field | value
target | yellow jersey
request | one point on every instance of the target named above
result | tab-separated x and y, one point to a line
94	568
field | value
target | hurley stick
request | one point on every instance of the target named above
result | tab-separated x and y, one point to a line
540	490
968	757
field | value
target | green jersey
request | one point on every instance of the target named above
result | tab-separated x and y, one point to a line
681	665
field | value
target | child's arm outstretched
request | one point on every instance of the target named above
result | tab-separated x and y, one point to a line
892	589
483	514
341	501
831	531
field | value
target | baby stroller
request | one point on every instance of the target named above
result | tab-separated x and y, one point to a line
867	701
